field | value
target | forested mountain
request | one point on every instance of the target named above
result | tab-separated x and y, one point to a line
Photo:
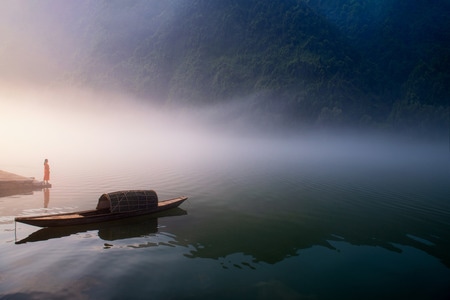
407	44
375	63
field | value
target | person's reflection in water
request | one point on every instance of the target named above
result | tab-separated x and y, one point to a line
46	197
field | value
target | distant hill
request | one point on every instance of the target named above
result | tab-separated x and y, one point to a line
359	63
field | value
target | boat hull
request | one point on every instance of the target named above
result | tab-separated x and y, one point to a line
95	216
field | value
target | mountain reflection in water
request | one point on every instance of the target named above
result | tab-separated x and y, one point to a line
270	229
271	241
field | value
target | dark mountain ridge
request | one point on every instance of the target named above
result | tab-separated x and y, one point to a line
359	63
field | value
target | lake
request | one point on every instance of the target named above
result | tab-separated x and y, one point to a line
265	219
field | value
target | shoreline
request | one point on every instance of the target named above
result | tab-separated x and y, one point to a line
13	182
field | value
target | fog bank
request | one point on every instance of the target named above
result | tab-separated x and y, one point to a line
90	129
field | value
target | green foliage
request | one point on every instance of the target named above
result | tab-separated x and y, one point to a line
325	62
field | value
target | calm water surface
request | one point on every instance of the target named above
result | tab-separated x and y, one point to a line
256	226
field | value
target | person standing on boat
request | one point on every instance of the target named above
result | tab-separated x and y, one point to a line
46	171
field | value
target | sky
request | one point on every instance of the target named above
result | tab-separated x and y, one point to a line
29	43
40	118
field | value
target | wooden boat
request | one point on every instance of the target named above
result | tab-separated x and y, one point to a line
111	206
139	226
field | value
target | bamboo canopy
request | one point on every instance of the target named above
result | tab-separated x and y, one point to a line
123	201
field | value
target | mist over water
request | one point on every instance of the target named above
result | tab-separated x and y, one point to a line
85	127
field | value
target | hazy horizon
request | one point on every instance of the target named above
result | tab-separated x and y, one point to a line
42	116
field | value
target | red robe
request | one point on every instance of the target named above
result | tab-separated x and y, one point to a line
46	172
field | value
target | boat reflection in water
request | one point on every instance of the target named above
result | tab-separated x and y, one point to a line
108	231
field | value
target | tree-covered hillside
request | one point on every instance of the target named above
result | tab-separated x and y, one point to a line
408	46
296	62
